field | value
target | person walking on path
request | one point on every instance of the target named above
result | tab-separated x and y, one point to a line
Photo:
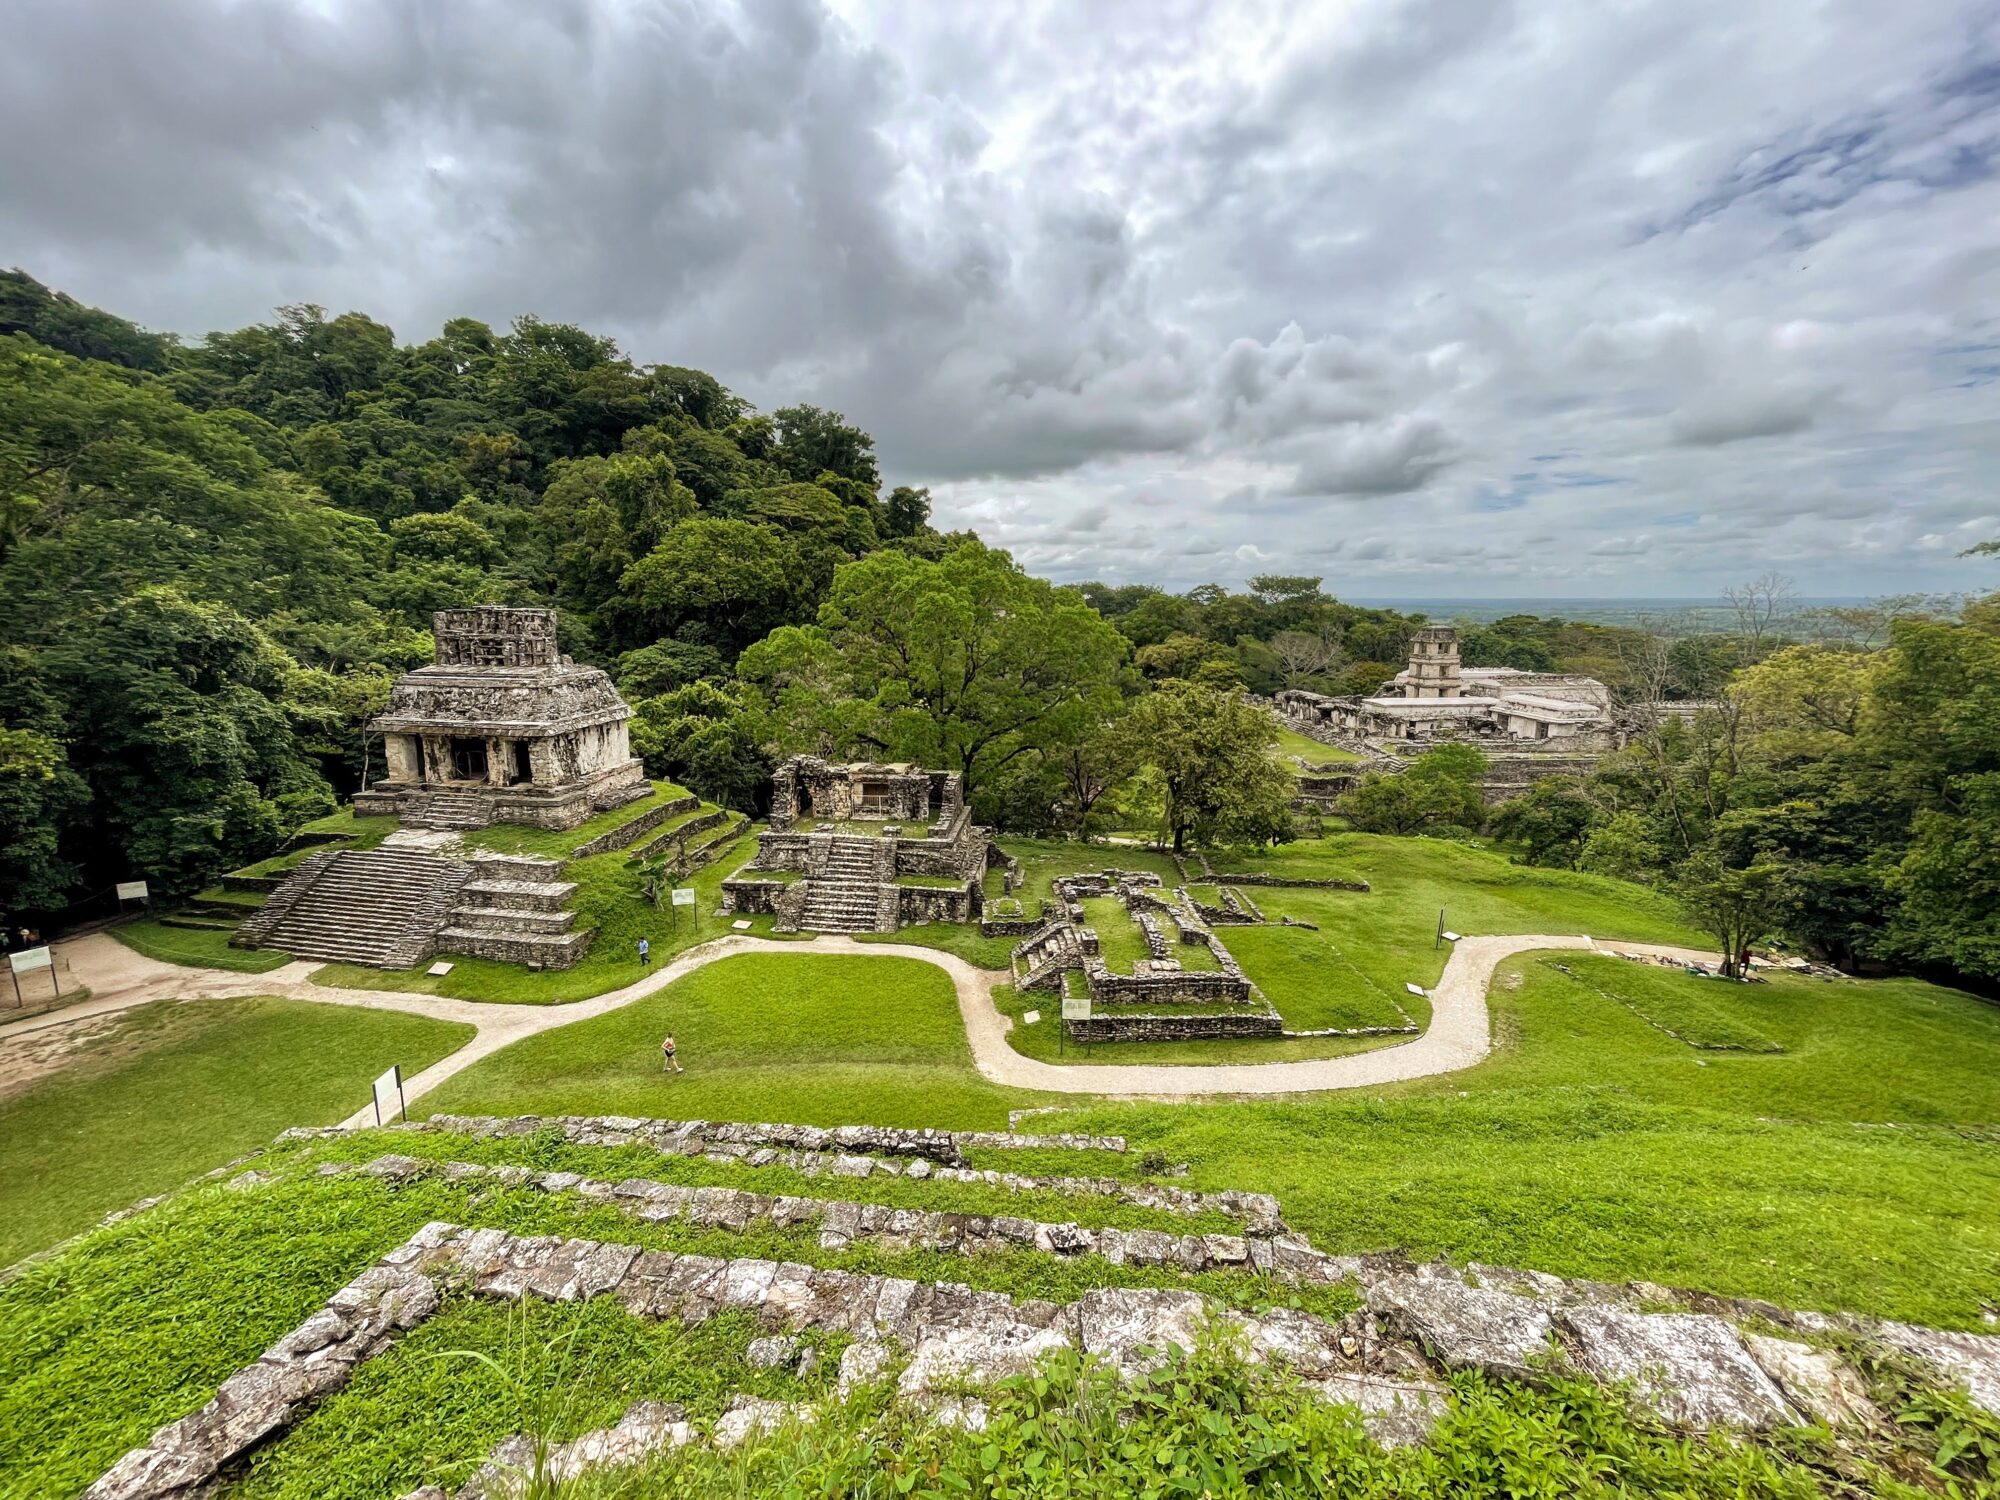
645	953
668	1063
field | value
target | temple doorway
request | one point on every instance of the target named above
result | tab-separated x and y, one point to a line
468	760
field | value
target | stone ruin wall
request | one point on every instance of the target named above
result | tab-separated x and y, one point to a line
1175	1028
936	903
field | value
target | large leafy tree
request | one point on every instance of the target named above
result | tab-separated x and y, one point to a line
966	662
1214	756
1441	791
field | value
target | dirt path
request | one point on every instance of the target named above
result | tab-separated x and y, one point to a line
1457	1037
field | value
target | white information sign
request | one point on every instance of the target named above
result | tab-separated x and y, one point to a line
440	968
389	1096
1451	937
743	926
1029	1018
131	890
32	958
1414	989
1076	1007
684	895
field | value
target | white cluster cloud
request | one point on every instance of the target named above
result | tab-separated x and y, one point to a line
1431	296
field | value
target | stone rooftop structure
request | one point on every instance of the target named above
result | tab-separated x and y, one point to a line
863	847
502	729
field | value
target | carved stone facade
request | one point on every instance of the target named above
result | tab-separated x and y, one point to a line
503	729
864	848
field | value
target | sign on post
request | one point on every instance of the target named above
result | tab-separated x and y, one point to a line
132	890
684	895
26	962
389	1094
1076	1007
32	958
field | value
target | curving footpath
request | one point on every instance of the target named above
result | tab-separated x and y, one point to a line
1458	1036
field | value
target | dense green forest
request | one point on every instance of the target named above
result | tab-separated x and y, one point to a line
216	555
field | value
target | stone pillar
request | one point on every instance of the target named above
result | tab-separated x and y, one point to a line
437	757
499	757
405	757
542	769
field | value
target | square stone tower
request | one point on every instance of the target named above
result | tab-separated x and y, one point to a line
503	729
1434	670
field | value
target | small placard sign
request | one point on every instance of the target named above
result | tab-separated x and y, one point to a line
389	1095
1414	989
32	958
1076	1007
131	890
1029	1018
1451	937
684	895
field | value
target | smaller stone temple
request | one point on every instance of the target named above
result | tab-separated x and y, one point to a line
865	847
502	729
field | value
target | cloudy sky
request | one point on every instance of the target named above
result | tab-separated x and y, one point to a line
1435	298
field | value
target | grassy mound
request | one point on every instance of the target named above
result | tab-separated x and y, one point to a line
179	1088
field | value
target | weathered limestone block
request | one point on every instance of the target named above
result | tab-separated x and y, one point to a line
1131	1328
1817	1381
1395	1413
753	1416
1692	1368
1968	1359
977	1353
1465	1327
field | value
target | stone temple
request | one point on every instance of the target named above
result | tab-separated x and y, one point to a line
863	848
503	729
1436	698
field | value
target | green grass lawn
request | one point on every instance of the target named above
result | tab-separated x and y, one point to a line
1313	983
1291	742
198	947
822	1038
180	1088
1858	1169
1119	941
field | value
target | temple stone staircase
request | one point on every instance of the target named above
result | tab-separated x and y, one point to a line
380	907
516	909
446	810
844	893
1040	959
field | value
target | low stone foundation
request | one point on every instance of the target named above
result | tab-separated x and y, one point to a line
1148	1028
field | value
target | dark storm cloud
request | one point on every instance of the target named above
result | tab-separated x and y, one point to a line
1155	288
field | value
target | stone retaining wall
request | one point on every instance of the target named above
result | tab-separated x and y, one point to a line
1150	1028
936	903
1691	1369
630	831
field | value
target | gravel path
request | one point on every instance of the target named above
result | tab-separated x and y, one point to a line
1457	1037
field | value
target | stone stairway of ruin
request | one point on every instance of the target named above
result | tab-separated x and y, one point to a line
851	858
447	810
515	908
380	907
841	906
1039	959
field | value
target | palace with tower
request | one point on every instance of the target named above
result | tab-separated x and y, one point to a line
1437	698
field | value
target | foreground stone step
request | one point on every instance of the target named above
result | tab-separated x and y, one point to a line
952	1334
737	1145
842	1221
